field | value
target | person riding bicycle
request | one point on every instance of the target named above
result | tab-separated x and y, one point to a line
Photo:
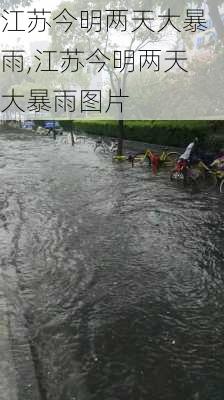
191	153
189	157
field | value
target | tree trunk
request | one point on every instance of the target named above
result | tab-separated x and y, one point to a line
71	133
72	138
216	18
121	137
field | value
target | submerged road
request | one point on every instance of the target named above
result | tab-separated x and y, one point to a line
111	280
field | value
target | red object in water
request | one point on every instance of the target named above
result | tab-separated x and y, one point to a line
155	160
181	165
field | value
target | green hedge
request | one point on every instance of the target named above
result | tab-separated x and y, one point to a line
169	133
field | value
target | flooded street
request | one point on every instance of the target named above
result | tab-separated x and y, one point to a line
111	280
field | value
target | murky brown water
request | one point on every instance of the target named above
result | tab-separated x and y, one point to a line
120	274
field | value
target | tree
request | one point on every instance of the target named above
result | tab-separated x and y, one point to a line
214	12
136	41
214	7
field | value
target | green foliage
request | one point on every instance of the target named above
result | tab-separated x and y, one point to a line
169	133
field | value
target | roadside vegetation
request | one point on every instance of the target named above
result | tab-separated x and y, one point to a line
168	133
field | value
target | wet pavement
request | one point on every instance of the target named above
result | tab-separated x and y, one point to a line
111	279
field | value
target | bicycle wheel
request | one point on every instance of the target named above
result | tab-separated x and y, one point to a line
172	157
139	159
221	186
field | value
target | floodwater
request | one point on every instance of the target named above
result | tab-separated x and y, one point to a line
113	278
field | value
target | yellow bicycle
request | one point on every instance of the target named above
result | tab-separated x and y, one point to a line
199	175
165	158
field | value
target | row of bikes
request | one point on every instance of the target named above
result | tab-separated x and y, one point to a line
199	175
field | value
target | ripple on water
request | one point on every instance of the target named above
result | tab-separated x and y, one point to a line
121	274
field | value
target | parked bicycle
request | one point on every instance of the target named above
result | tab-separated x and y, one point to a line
166	158
105	147
198	175
156	160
